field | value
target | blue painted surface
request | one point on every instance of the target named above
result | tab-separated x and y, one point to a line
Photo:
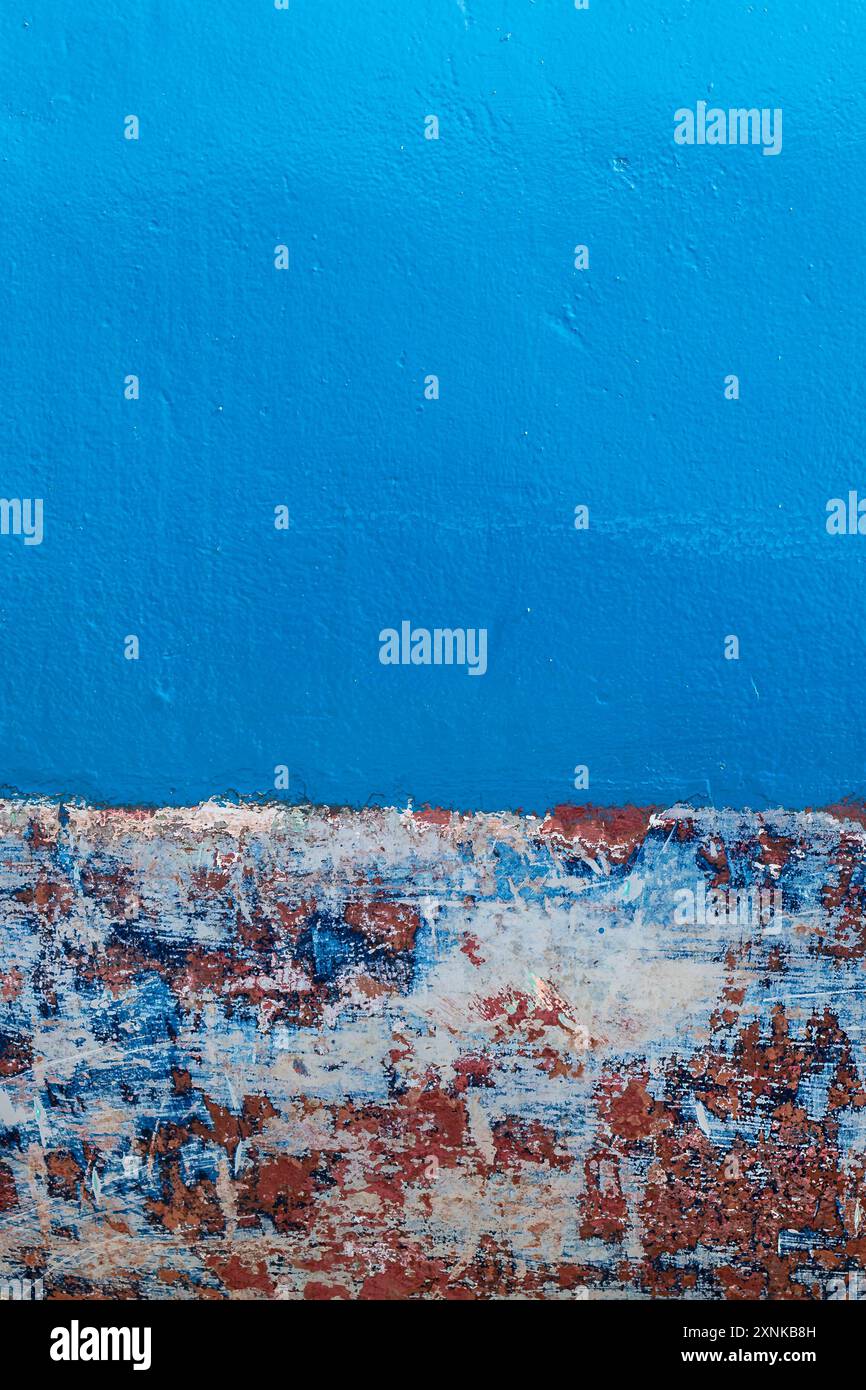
305	387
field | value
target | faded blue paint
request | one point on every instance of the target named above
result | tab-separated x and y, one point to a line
558	387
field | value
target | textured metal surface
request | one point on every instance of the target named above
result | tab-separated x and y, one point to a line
558	387
249	1052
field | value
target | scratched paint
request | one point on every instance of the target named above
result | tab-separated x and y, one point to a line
262	1052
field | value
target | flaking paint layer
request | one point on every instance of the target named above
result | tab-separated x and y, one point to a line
259	1052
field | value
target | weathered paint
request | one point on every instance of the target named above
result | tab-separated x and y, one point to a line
259	1052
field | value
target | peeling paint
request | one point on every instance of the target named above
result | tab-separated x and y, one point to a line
261	1052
